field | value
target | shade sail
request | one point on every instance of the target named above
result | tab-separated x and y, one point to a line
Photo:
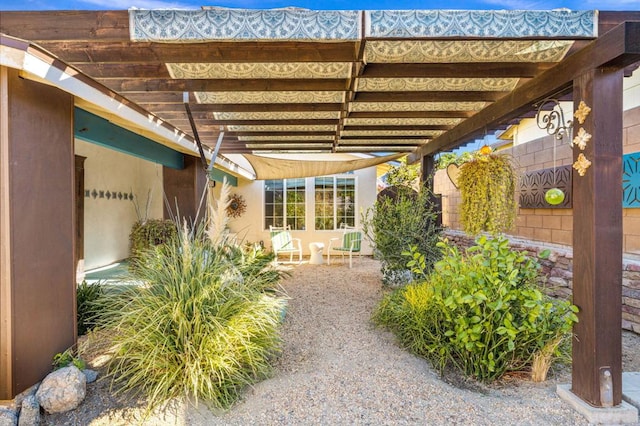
278	168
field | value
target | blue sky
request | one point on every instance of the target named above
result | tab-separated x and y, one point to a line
321	4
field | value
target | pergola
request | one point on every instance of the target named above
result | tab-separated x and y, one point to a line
416	82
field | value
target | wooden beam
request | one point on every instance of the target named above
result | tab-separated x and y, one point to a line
214	124
275	133
456	70
153	98
597	240
619	47
206	52
400	127
67	25
124	85
383	137
284	142
411	114
430	96
113	70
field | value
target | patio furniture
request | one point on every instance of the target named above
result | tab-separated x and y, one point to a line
350	242
316	253
283	242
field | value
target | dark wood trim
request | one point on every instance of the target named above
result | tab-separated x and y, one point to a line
223	85
456	70
400	127
597	235
79	196
411	114
207	52
430	96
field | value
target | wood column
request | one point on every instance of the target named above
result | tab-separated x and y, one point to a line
37	230
183	188
597	238
428	172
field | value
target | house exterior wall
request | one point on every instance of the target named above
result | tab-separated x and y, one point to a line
108	221
250	226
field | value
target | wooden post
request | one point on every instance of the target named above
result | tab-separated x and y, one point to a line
37	230
597	239
427	175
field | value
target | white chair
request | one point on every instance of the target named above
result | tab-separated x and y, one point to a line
283	242
350	242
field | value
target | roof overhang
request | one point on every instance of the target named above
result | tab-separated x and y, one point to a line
36	64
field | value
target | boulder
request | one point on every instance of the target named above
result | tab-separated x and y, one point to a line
8	417
30	412
62	390
91	375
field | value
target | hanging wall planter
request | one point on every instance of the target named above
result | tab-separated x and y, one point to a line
487	185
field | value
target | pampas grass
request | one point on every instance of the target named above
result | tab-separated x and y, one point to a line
218	218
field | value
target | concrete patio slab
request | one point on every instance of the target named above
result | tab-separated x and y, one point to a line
631	388
625	413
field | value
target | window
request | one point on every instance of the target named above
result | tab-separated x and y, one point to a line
335	202
284	203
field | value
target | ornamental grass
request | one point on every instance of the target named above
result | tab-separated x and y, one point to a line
202	326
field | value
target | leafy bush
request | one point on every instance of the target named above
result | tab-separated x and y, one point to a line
481	312
447	158
204	325
394	225
150	233
87	297
66	358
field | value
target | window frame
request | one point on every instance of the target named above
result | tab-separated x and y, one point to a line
284	204
336	219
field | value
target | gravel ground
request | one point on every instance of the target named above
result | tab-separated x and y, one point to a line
337	369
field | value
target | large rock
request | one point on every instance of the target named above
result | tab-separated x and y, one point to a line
8	417
30	412
62	390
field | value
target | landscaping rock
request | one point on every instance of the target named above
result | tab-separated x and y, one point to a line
30	412
91	375
8	417
62	390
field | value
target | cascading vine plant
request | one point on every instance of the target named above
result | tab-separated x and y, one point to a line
487	185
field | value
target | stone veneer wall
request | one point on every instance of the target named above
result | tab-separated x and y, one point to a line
558	271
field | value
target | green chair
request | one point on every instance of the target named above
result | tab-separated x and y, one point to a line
283	242
350	242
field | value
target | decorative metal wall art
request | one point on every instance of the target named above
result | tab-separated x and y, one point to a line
534	185
550	117
631	180
109	195
237	205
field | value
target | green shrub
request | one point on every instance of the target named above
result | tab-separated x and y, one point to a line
66	358
148	234
395	225
87	297
481	312
204	325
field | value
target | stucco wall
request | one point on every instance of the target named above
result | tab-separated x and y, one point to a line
108	222
250	226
